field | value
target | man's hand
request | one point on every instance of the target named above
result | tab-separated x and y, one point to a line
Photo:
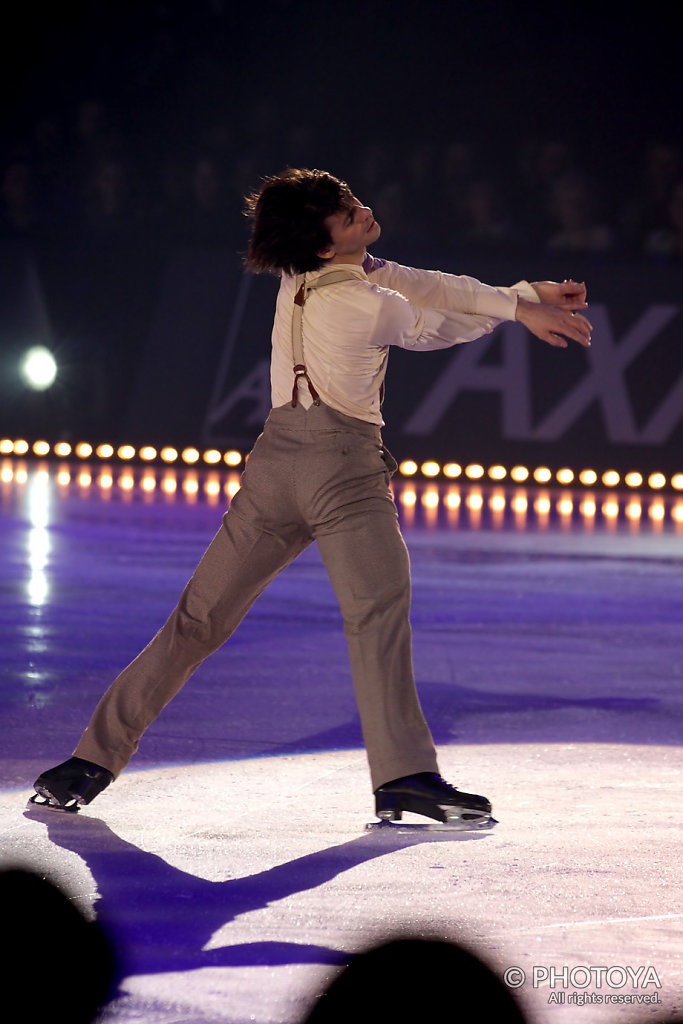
566	294
553	323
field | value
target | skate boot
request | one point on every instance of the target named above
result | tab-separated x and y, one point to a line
70	784
427	793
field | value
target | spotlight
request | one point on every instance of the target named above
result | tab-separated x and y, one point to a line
38	368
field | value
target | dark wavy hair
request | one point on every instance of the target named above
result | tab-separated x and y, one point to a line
288	214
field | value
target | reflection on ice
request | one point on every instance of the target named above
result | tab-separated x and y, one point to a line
39	544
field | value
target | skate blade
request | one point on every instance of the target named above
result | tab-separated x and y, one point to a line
44	799
434	826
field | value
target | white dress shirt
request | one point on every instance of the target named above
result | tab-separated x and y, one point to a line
347	328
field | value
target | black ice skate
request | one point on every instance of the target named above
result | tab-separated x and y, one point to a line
70	784
428	794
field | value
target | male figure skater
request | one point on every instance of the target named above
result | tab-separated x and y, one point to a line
319	472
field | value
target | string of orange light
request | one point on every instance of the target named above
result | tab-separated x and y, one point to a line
429	469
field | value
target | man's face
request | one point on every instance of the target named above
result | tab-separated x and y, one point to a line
352	230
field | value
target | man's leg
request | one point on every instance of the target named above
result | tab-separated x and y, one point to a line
367	562
237	566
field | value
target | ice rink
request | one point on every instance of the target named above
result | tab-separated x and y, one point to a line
231	861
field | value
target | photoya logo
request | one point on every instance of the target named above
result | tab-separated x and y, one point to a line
604	382
568	985
582	977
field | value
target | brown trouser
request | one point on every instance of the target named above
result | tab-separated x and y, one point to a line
313	475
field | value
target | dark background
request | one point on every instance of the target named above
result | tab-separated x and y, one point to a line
130	132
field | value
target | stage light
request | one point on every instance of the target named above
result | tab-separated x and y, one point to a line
6	446
430	468
497	472
677	482
190	455
38	368
84	450
452	470
588	477
41	448
126	451
212	456
565	476
408	468
519	474
169	454
148	453
610	478
20	447
105	451
232	458
62	448
474	471
656	480
633	479
542	475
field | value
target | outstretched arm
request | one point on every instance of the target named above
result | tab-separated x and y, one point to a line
555	318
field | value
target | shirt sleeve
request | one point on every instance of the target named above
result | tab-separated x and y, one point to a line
450	292
403	324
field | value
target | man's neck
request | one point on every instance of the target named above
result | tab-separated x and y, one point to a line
355	258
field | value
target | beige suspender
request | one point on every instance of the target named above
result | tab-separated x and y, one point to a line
332	277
